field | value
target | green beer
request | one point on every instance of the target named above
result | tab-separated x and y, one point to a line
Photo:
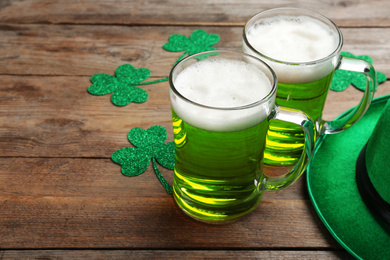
303	50
217	173
220	114
285	140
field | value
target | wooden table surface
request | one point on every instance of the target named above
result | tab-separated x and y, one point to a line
61	196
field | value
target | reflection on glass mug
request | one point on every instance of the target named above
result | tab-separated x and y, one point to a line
222	103
303	48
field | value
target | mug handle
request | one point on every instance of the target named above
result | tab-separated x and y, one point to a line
301	119
346	121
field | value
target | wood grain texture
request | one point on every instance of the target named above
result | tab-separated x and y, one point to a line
176	12
86	50
173	254
55	116
84	216
123	222
61	196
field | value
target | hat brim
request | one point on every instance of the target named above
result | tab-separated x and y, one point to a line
334	193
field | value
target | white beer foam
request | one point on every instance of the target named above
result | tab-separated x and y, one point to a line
295	39
222	83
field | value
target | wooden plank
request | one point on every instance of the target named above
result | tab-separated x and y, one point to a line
149	223
177	12
173	254
88	203
87	50
58	187
56	117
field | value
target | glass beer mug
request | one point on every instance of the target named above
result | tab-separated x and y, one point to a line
222	103
303	48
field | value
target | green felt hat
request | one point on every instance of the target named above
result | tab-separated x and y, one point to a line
349	183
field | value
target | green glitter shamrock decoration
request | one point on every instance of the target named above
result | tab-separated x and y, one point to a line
123	85
198	41
342	78
149	145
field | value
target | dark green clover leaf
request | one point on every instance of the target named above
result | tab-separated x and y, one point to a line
122	86
198	41
149	145
342	79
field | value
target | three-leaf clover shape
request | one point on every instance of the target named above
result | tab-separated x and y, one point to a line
199	41
122	85
343	78
149	145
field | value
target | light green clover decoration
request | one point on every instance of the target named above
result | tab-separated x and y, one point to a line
342	79
149	145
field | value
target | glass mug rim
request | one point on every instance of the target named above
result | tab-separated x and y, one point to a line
295	11
270	95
